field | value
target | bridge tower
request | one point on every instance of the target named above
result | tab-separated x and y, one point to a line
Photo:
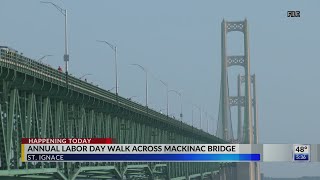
225	130
241	79
224	123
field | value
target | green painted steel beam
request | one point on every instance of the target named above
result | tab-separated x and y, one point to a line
27	171
179	178
10	121
37	177
96	168
98	172
85	111
102	177
206	173
137	166
194	175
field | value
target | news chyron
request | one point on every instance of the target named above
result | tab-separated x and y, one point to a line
105	149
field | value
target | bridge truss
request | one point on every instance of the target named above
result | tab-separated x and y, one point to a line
35	101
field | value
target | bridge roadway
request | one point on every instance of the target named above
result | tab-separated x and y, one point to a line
36	101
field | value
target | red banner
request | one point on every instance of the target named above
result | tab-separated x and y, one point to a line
67	140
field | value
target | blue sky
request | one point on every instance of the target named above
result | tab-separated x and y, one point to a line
179	43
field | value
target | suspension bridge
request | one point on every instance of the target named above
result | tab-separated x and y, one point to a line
41	102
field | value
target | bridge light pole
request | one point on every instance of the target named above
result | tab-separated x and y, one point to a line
207	121
40	59
200	114
145	70
212	119
66	54
192	114
167	92
114	48
180	95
